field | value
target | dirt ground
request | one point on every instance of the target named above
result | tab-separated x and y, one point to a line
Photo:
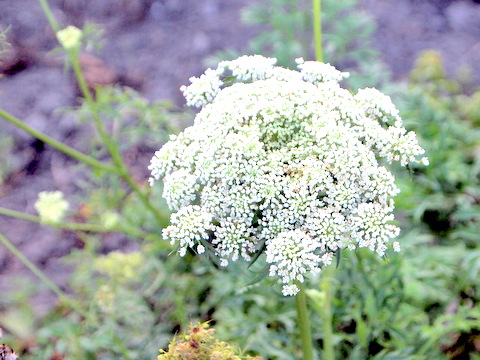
155	46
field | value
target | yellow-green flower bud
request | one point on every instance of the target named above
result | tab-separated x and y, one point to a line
51	206
70	37
110	220
120	267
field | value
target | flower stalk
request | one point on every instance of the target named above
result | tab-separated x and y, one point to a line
119	166
53	287
303	319
98	228
326	314
88	160
49	15
317	29
35	270
300	298
110	144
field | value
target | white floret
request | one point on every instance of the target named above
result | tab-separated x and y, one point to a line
250	68
203	89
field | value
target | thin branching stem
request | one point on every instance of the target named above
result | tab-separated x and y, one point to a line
49	15
57	144
73	225
110	144
35	270
52	286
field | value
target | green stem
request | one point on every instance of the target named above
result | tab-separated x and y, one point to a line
303	319
317	29
109	143
72	225
42	276
328	271
61	225
301	301
52	286
327	288
144	199
48	13
56	144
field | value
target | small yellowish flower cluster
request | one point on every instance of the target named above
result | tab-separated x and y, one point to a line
70	37
200	344
286	161
119	266
51	206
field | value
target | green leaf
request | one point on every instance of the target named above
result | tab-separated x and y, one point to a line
262	274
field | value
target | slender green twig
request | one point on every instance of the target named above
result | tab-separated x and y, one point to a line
52	286
49	15
317	29
75	226
61	225
303	319
56	144
111	146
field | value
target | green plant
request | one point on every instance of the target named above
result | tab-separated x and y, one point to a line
422	305
276	166
285	33
115	199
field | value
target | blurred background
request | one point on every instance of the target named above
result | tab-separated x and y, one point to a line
424	53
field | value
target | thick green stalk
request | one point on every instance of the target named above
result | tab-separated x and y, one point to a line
303	319
70	302
327	288
57	144
317	29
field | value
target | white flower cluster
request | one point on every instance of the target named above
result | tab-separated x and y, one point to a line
51	206
285	161
70	37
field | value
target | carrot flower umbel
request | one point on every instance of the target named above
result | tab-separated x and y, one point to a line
286	162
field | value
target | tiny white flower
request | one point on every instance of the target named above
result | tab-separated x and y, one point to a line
200	249
293	254
396	246
317	72
290	290
250	68
204	89
188	226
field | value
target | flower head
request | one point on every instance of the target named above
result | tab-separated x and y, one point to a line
70	37
285	161
51	206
